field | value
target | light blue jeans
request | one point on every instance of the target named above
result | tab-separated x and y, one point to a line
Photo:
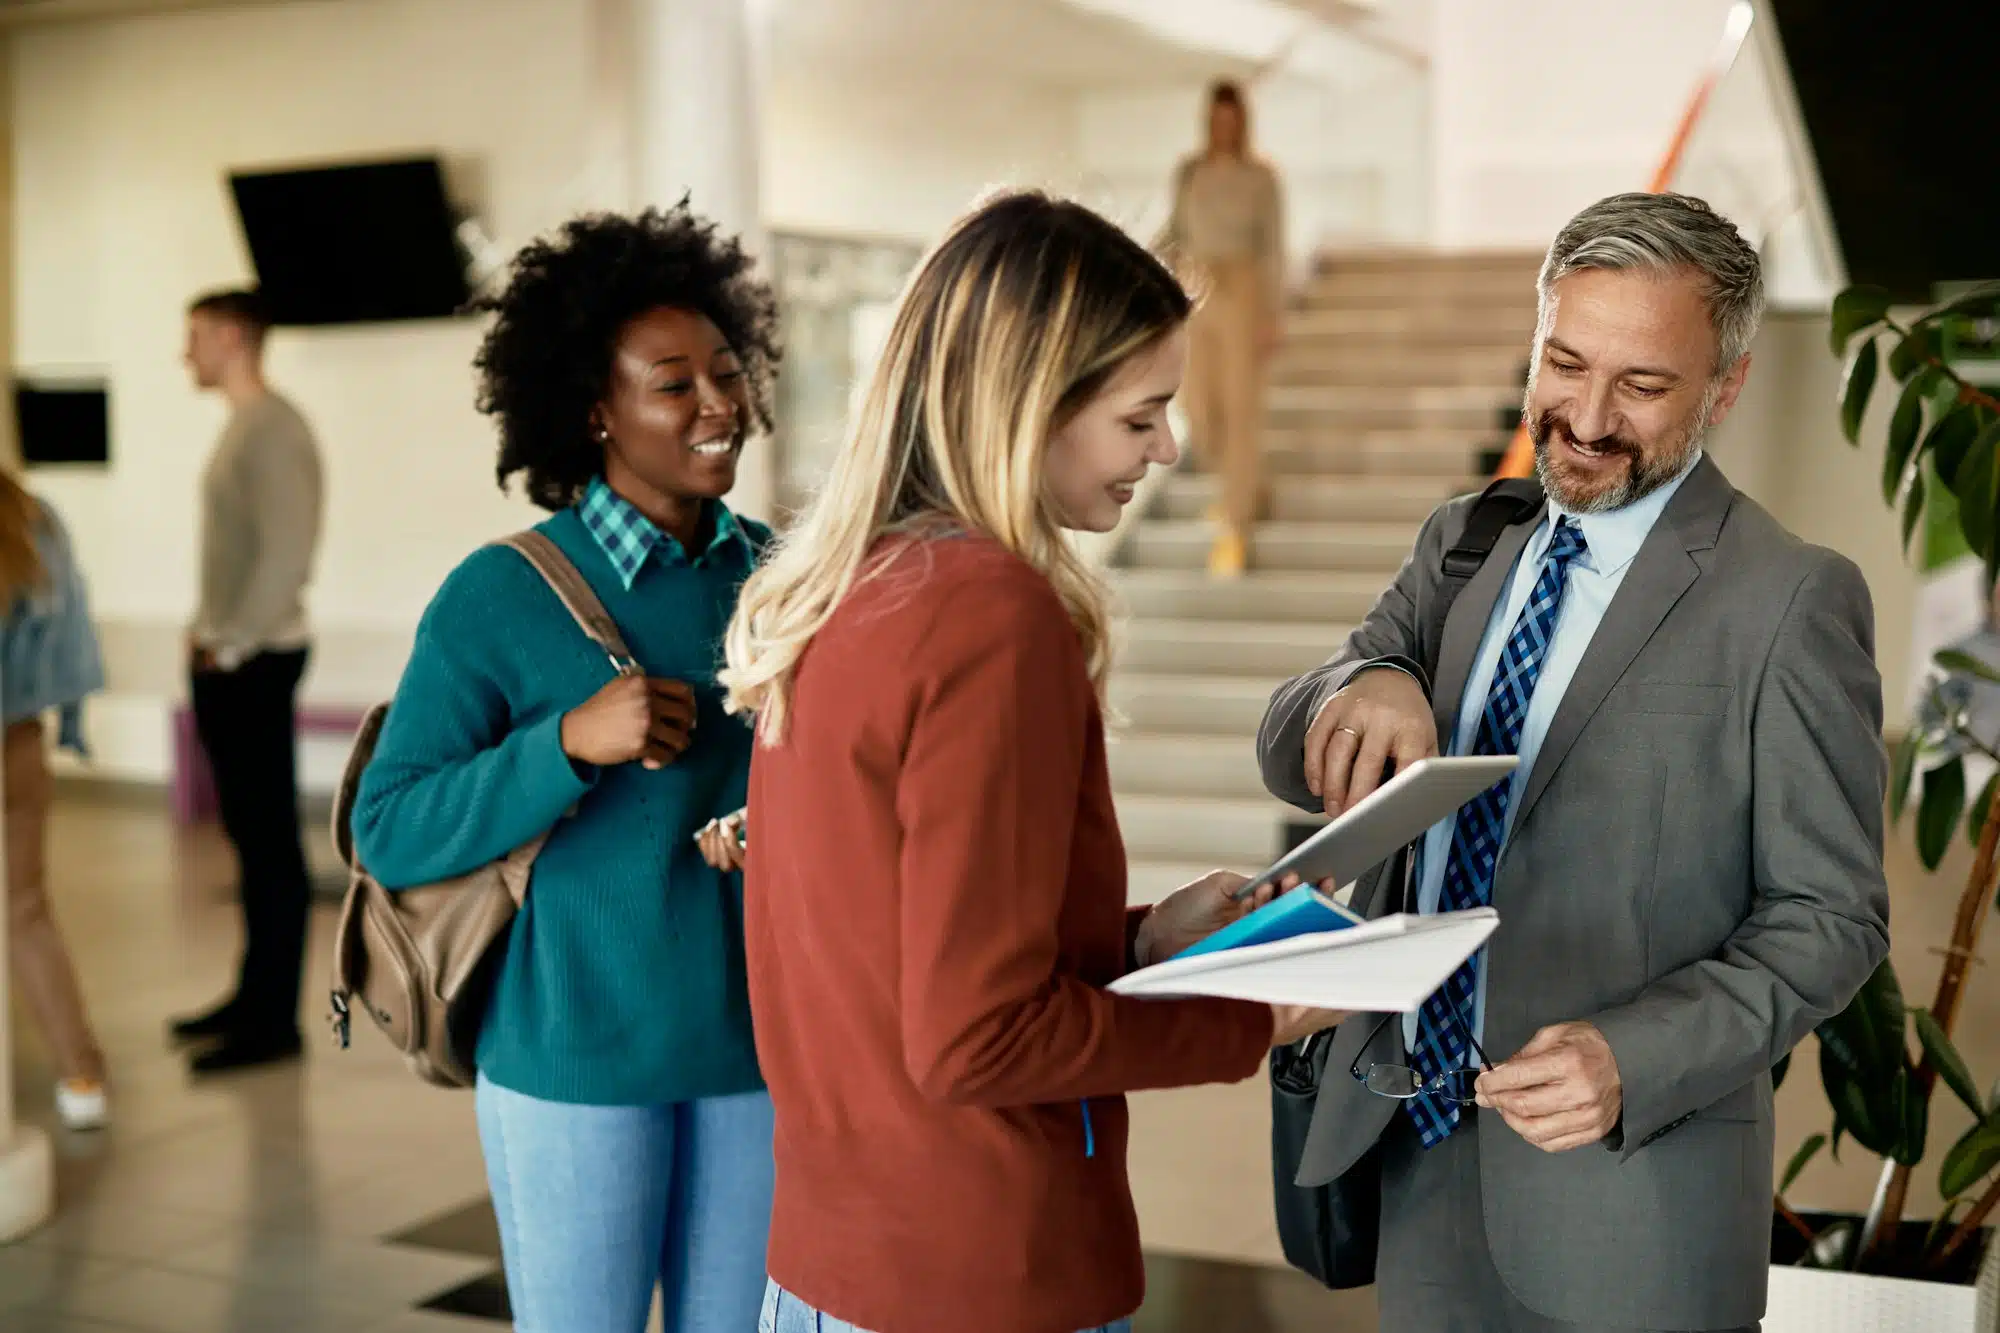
596	1204
786	1313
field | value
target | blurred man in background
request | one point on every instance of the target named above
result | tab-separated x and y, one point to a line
247	649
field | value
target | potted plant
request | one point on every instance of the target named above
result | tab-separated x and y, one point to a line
1879	1061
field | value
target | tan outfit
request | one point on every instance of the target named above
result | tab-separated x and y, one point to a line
41	964
1226	233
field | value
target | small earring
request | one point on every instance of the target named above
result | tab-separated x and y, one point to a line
603	435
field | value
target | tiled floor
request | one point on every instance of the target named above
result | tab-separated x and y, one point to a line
340	1194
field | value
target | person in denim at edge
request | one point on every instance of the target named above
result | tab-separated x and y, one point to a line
49	660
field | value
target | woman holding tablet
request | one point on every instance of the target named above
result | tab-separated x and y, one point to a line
936	900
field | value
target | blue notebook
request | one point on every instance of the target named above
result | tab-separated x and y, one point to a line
1303	911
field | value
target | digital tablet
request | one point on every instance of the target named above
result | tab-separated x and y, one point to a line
1395	814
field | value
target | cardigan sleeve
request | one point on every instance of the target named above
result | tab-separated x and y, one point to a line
987	800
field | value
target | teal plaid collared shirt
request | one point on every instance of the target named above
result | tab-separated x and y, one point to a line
628	538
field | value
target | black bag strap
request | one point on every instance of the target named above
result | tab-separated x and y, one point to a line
1500	506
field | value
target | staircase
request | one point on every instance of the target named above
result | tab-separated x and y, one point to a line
1397	372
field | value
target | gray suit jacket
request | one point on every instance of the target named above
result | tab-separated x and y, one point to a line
1695	867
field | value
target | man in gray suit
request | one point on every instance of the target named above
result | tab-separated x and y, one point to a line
1687	866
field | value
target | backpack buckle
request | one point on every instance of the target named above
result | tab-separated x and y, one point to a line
343	1024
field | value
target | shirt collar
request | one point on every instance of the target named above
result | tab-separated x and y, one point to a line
628	538
1613	538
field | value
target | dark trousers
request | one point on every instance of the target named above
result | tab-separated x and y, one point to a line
247	726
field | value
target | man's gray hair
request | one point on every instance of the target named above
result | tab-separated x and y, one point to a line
1666	233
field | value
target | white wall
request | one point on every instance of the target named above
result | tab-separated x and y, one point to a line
1541	106
124	133
900	154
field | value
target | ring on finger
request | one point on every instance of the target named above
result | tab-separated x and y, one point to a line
1350	731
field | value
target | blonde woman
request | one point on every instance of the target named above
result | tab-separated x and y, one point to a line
1227	229
936	891
48	662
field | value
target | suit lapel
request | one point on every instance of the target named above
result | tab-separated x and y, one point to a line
1661	573
1465	625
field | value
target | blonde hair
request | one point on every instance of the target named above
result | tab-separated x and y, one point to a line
21	568
1019	317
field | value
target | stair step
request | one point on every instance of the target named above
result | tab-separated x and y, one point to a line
1260	649
1314	451
1147	882
1313	499
1238	833
1192	705
1374	406
1178	764
1522	265
1496	368
1361	548
1184	594
1456	291
1426	325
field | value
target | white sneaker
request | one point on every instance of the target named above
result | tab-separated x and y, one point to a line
82	1104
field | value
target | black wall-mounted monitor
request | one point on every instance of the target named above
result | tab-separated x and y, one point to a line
1898	105
62	422
361	243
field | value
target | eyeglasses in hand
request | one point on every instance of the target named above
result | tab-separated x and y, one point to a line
1403	1082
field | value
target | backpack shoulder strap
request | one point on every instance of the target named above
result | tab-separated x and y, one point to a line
350	782
577	598
1500	506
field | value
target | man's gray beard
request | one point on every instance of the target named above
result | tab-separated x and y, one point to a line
1641	479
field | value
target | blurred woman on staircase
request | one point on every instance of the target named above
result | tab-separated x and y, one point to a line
1226	236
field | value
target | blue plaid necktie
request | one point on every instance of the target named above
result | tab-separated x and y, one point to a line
1446	1017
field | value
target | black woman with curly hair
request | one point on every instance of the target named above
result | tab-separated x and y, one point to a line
625	1124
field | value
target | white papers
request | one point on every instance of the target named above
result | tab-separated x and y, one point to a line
1389	965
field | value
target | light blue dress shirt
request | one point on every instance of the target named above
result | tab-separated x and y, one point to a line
1613	540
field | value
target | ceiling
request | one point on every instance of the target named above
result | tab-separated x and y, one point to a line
1038	41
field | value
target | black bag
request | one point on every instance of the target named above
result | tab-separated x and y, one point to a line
1331	1231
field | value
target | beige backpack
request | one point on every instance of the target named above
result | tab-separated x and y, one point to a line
420	961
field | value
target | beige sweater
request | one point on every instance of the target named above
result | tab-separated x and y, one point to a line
260	522
1229	210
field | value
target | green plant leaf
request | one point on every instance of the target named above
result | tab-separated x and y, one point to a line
1944	1058
1854	1111
1902	767
1860	382
1913	507
1913	353
1974	487
1833	1139
1975	819
1971	1159
1950	438
1807	1151
1941	1226
1903	428
1951	659
1855	309
1938	813
1915	1120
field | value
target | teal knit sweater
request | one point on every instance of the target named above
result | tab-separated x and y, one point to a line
623	982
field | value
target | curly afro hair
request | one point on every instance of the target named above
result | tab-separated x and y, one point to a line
546	361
